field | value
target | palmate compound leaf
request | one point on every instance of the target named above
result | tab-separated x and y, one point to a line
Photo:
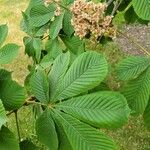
3	33
146	116
137	92
8	53
46	132
58	71
142	8
82	136
86	72
3	117
101	109
8	140
40	86
11	94
132	66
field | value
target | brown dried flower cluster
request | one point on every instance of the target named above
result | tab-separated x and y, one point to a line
58	9
89	18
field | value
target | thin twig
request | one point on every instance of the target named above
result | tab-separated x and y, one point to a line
127	8
35	103
17	125
45	37
30	101
109	2
132	40
116	6
25	104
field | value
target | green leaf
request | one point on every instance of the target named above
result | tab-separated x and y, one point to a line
73	44
40	31
45	129
101	87
64	143
12	94
58	71
86	72
37	110
67	2
131	17
40	86
3	117
33	3
83	136
119	19
137	92
67	27
146	116
26	26
45	63
25	23
142	8
101	109
4	74
29	49
8	53
41	14
132	66
33	47
3	33
8	140
27	145
54	48
56	26
37	45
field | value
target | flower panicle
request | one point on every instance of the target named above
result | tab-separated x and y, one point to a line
90	18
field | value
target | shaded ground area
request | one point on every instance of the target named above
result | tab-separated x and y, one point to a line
140	34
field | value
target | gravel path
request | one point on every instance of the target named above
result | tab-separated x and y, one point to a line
140	34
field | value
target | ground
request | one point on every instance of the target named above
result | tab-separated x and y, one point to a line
11	15
133	136
140	34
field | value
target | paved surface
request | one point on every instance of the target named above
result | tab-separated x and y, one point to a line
140	34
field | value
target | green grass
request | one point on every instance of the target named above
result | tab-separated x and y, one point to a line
10	14
133	136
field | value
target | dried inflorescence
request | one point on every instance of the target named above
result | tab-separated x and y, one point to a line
58	9
89	18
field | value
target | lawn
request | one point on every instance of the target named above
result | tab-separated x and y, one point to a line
11	15
132	136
